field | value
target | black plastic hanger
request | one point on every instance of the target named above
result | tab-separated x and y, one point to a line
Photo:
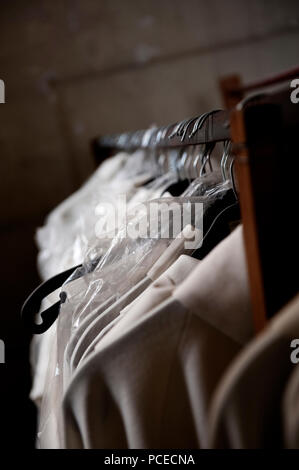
32	304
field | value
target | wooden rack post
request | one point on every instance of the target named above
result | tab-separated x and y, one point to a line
231	90
265	134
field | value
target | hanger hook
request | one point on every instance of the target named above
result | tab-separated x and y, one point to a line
224	159
231	170
206	157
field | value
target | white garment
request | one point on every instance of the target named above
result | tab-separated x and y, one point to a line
64	238
64	241
164	252
150	380
109	310
155	293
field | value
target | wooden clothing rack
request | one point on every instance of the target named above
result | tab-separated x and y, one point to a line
264	130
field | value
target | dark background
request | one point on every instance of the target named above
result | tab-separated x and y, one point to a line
77	69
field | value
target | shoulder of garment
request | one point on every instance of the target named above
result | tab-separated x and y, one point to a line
257	392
